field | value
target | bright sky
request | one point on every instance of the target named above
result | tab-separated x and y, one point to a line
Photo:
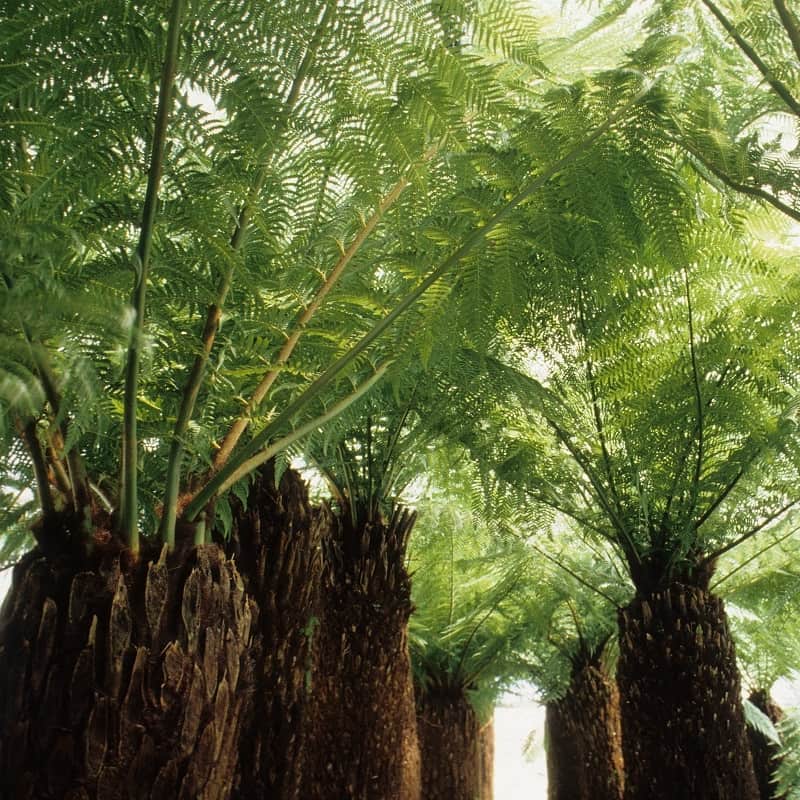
519	758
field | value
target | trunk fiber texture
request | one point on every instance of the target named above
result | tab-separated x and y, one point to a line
122	679
277	539
683	728
486	744
766	758
363	740
584	743
449	744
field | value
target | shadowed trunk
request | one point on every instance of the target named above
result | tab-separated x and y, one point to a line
363	741
449	744
123	679
486	744
277	541
584	748
766	757
683	727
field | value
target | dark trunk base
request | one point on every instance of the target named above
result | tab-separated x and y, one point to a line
584	750
450	746
362	741
766	757
683	727
277	539
123	680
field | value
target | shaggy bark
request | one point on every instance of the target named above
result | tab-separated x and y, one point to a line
277	539
449	744
766	758
486	745
123	679
584	748
363	741
683	727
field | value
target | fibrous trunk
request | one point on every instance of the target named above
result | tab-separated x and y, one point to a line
584	749
766	758
450	745
683	727
277	541
122	678
486	745
363	741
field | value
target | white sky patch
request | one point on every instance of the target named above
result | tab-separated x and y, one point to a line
520	765
198	97
786	692
557	18
5	583
737	612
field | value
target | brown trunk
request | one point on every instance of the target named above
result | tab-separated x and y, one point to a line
766	758
123	679
277	539
363	740
486	745
449	744
683	727
584	748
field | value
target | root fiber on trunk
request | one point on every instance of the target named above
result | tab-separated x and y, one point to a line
123	679
277	541
766	754
486	745
584	748
363	741
449	744
683	727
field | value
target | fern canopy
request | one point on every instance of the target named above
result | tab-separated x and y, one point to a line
307	150
388	232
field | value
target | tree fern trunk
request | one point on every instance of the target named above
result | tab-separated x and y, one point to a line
683	727
123	679
486	745
450	745
363	741
584	748
277	539
766	758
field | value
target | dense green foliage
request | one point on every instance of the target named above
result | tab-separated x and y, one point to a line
468	633
294	131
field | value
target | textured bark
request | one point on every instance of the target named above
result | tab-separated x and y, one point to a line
683	727
123	679
486	744
363	740
277	539
449	744
766	758
584	748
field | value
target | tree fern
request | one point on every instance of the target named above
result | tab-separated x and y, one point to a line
637	365
306	120
465	634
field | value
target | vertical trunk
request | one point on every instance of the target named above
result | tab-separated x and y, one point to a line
123	679
766	756
363	742
584	748
683	727
449	744
486	745
277	539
